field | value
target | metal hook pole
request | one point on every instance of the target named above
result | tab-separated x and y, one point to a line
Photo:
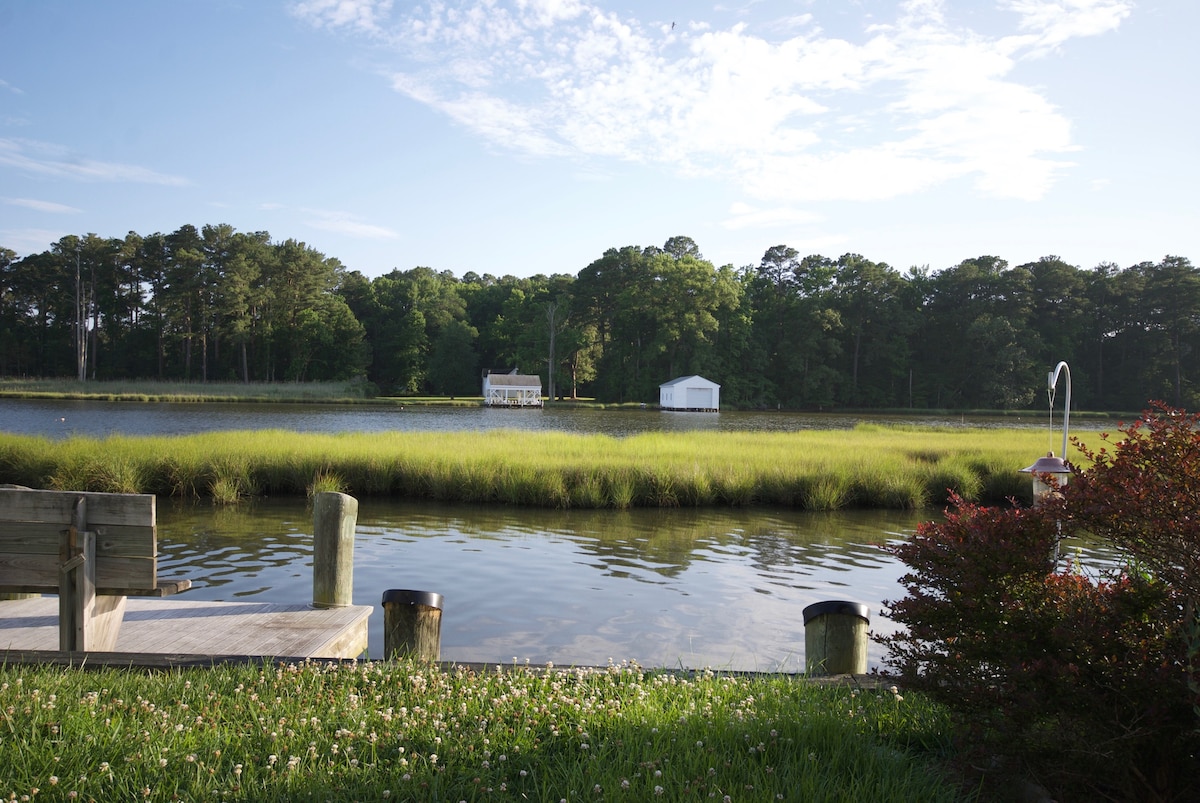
1051	381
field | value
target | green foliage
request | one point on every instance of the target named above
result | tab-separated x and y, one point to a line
795	331
1086	685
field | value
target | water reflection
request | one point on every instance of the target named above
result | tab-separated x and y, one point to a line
676	587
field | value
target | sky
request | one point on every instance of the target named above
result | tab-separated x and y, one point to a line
522	137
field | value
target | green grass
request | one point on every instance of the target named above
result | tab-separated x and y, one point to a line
406	731
867	467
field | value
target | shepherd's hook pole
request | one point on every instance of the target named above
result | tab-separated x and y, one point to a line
1051	381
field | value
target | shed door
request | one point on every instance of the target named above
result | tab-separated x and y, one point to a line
699	398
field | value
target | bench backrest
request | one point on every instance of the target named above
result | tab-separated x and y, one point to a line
32	524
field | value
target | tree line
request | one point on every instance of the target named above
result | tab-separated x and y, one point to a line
790	332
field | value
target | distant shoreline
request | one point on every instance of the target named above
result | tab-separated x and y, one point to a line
356	393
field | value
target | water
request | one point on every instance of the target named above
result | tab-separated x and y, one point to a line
64	418
693	588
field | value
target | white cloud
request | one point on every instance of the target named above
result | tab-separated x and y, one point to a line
1050	23
30	241
42	206
45	159
343	223
362	15
911	103
745	216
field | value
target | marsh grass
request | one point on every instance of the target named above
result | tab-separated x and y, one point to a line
881	467
406	731
326	482
825	492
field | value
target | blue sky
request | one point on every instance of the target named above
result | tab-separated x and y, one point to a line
528	136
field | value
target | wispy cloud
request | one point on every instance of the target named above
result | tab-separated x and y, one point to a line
7	87
45	159
30	241
745	216
361	15
911	103
349	225
42	206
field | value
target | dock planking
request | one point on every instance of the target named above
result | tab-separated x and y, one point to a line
192	631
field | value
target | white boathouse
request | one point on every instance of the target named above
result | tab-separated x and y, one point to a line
511	389
693	394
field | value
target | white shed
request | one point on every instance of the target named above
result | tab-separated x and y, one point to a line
511	389
693	394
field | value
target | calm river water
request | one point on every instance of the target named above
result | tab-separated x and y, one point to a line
722	588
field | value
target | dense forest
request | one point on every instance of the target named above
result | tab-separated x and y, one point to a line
792	332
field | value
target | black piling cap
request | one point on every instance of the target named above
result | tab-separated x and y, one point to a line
836	607
399	596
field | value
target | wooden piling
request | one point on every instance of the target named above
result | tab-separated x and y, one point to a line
412	624
334	518
835	638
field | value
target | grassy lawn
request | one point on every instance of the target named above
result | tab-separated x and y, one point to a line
405	731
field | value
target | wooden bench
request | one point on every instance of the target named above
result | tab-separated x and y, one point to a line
92	549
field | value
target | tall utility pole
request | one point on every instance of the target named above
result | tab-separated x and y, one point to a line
551	314
80	323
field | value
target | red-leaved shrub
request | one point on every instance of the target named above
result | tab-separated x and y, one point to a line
1078	683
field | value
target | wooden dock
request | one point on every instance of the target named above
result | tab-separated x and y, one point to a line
182	632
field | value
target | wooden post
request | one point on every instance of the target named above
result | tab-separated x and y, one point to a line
334	518
412	624
835	638
76	580
85	621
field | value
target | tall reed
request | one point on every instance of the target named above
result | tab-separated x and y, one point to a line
890	467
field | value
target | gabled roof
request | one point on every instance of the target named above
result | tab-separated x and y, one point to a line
514	380
688	380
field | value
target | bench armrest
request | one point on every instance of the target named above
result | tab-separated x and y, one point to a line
165	588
